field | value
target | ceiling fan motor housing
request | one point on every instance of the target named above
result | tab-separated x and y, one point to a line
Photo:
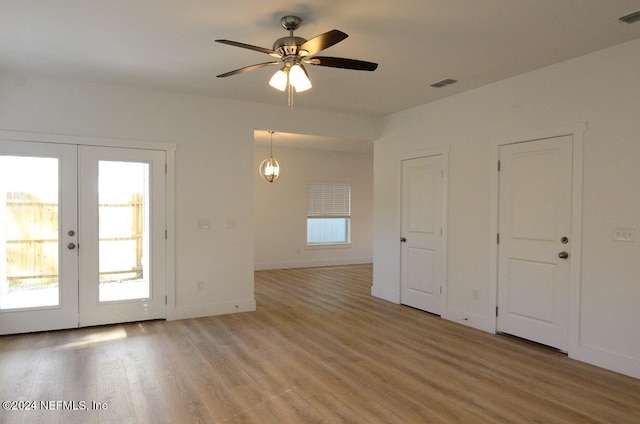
288	45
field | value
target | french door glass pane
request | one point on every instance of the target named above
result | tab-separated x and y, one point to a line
29	220
123	208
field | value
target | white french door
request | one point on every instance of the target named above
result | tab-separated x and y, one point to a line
122	234
82	239
38	220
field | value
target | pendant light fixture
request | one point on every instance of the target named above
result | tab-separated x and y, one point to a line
269	168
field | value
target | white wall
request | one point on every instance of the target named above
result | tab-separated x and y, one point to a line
281	207
215	169
601	89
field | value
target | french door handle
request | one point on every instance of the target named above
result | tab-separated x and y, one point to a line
71	246
563	255
403	239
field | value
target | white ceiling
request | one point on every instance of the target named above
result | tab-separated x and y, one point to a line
169	44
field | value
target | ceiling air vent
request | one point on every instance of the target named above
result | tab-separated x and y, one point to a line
443	83
630	18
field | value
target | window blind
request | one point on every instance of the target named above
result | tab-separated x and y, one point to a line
329	201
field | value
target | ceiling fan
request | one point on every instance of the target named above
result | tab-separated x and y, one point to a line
292	53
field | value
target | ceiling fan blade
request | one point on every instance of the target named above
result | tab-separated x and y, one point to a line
339	62
322	42
247	69
250	47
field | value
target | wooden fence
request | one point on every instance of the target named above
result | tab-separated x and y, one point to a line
31	234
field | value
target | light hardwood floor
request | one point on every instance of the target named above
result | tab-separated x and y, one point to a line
319	349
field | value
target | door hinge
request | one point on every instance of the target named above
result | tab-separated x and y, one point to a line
496	311
166	168
498	166
440	289
166	234
498	238
166	300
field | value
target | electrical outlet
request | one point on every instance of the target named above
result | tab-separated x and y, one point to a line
199	285
476	294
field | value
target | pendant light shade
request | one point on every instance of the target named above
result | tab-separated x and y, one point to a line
269	168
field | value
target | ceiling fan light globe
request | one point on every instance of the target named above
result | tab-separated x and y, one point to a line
279	80
299	79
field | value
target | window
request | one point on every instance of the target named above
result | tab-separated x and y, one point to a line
328	214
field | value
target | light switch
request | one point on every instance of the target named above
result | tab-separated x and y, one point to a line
624	234
203	223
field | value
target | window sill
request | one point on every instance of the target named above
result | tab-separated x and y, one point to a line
328	246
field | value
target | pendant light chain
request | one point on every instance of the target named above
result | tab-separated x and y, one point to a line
271	146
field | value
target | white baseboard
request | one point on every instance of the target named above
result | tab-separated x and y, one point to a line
385	294
478	322
611	361
209	309
311	264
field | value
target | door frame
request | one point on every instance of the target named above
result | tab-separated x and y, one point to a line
170	151
416	154
576	131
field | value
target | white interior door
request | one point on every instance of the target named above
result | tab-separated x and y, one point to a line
422	253
535	188
38	237
122	235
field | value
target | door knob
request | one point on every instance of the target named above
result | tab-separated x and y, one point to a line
563	255
403	239
71	246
